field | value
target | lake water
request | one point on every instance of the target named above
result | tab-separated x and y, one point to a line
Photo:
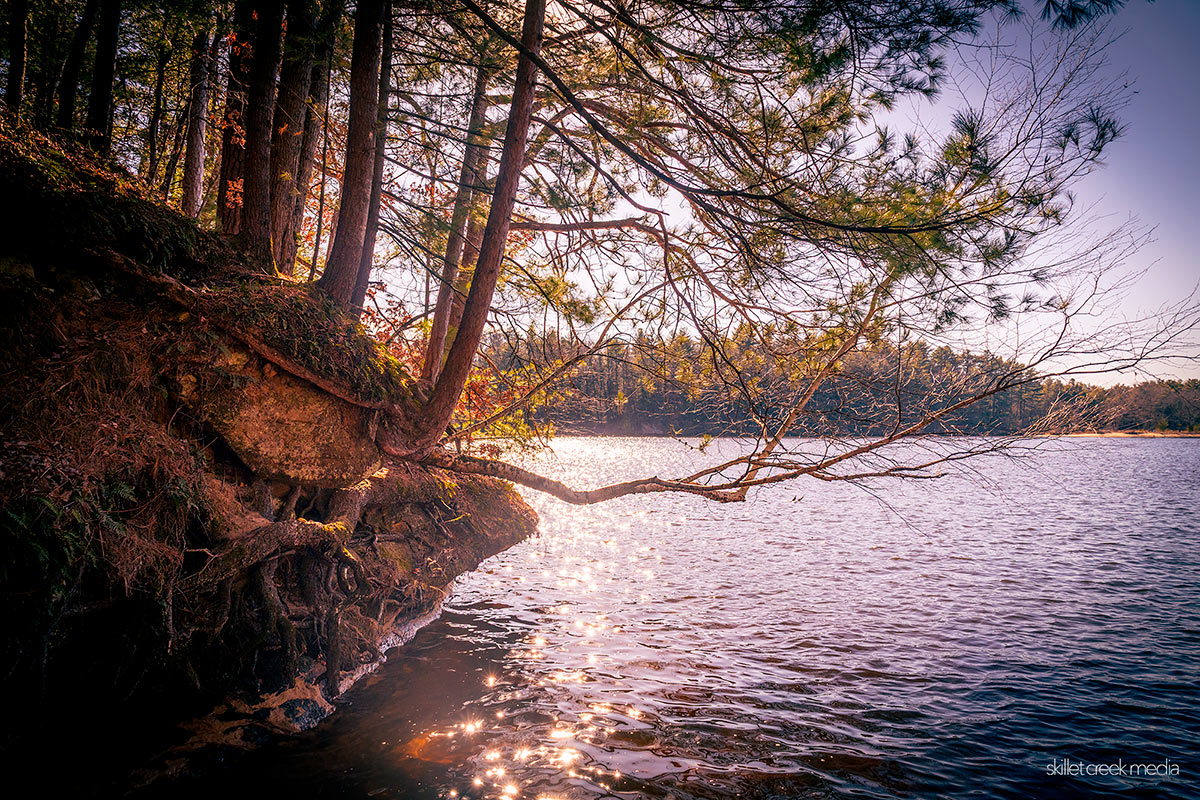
966	639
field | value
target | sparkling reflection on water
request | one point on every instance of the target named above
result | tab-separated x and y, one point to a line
810	643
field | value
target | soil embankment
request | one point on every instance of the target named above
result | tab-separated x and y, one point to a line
195	509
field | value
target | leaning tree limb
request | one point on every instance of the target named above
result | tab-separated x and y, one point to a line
498	469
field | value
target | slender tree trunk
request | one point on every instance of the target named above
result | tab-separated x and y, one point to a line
462	282
367	260
474	238
314	116
99	116
211	169
150	165
428	271
467	182
260	108
315	127
312	266
68	87
295	77
440	408
46	70
172	164
18	11
233	133
341	270
333	222
197	122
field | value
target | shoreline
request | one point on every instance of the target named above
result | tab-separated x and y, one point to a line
583	434
1132	435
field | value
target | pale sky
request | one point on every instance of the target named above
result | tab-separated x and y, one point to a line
1151	174
1153	171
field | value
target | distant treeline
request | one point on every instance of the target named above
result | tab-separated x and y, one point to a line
653	386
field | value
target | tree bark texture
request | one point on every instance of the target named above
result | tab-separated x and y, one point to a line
468	182
255	229
295	77
99	115
197	123
341	270
314	118
367	260
440	409
68	86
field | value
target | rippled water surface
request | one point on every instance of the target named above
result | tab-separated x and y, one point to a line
812	642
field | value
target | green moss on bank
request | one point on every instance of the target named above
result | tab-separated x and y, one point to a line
68	202
305	325
71	206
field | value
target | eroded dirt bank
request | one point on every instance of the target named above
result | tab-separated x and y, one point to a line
195	510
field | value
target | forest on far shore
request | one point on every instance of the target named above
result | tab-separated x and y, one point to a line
655	387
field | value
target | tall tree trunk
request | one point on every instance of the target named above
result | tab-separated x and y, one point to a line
217	54
18	11
468	180
295	76
44	77
466	269
150	164
367	259
99	116
197	122
68	87
333	222
341	270
172	164
233	132
474	238
440	408
260	108
315	129
312	265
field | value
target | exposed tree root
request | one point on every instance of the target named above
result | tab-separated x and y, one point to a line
347	579
275	614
